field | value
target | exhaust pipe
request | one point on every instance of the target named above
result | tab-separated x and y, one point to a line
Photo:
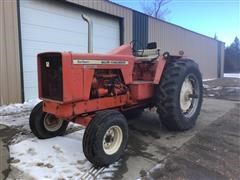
90	32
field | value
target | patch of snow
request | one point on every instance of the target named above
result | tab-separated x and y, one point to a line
57	158
232	75
20	137
217	88
156	168
17	108
211	95
205	86
16	120
235	88
209	79
17	114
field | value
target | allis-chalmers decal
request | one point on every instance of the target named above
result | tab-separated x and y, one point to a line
98	62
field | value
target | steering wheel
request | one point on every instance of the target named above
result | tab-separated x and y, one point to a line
134	44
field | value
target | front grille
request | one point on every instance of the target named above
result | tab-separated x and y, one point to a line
51	76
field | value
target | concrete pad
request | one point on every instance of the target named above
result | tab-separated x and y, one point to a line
150	142
213	153
5	135
4	156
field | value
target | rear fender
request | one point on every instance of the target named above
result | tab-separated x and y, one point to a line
161	64
159	70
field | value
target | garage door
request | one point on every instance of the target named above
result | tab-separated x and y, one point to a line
57	26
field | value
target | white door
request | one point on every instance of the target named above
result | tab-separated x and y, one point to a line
57	26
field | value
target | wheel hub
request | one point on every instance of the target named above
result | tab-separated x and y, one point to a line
185	95
51	123
112	140
189	95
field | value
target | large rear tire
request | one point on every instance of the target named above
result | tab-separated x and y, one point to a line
179	94
44	125
105	138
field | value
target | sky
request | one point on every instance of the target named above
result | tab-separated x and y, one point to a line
208	17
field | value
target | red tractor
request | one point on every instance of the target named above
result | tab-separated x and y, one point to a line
100	91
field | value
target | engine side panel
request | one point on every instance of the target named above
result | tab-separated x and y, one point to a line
90	63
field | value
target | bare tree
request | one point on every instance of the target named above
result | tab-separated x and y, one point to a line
155	8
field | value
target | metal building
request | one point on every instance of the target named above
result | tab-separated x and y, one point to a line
32	26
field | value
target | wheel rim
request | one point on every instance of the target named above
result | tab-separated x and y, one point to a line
51	123
112	140
189	95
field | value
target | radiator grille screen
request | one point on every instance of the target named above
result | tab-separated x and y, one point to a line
51	76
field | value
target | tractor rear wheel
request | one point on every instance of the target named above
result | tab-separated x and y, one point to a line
44	125
105	138
179	94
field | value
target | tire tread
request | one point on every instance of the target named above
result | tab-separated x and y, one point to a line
167	90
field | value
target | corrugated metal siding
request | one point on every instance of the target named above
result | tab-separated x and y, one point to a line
197	47
140	29
113	9
10	82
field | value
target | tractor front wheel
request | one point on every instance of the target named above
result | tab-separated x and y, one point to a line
44	125
179	94
105	138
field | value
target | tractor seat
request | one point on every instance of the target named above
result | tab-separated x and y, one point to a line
147	55
147	59
148	52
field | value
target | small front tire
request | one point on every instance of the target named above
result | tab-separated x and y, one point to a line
44	125
105	138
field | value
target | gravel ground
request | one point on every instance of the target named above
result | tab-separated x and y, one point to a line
224	88
212	154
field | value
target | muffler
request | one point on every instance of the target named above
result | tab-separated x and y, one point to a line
90	32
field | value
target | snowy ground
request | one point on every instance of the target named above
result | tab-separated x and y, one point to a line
227	75
224	88
233	75
16	115
56	158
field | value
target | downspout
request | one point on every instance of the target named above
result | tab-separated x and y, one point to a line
90	32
